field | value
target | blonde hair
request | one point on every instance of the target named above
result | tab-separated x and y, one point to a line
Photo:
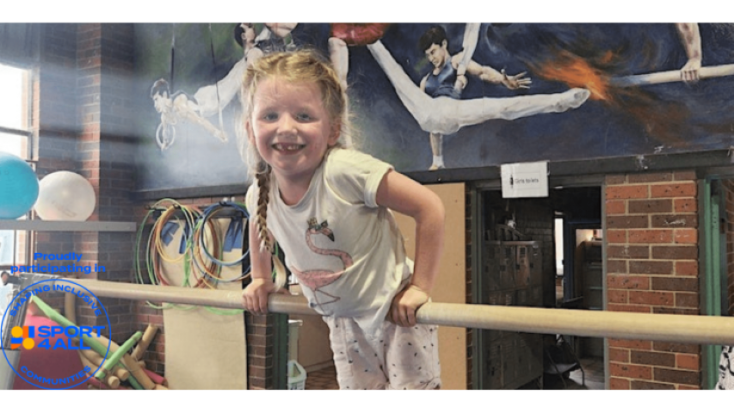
305	65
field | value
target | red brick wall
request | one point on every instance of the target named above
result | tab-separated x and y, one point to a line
652	267
259	330
104	154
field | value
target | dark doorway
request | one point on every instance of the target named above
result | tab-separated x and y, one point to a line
518	237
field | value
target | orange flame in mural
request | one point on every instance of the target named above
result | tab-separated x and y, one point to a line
576	72
667	121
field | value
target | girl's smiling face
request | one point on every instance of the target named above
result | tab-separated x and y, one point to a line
291	128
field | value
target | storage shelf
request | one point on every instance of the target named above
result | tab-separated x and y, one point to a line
68	226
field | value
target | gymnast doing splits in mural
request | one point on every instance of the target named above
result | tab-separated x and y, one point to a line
435	104
174	109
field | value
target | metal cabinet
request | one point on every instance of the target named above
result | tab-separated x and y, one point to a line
512	272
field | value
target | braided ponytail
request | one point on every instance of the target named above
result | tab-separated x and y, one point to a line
263	184
266	242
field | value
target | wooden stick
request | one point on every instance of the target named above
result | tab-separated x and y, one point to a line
148	335
70	307
117	355
586	323
92	356
130	363
670	76
95	358
110	380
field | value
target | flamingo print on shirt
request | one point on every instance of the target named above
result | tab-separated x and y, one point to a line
316	279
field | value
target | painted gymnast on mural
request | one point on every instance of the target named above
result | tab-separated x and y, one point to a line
435	104
341	37
177	108
691	40
447	79
256	39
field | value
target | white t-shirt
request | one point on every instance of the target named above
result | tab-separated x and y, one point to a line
358	272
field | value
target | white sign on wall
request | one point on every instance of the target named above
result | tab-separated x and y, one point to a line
525	180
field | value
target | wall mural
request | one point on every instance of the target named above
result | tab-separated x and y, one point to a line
428	96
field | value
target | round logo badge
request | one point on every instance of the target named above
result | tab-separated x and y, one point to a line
49	351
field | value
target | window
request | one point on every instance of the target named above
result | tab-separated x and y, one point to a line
15	138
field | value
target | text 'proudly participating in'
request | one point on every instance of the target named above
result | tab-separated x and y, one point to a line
52	269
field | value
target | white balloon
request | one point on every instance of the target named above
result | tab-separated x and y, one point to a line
65	196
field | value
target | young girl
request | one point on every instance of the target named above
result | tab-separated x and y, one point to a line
329	209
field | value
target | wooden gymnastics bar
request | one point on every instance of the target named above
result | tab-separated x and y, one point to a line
671	76
664	327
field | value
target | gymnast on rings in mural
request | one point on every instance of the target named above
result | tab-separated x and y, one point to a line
256	39
175	108
435	104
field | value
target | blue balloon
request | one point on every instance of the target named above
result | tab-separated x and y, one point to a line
18	186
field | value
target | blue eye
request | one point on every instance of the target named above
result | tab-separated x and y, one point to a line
304	117
270	116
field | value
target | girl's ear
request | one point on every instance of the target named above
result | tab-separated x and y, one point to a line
250	133
336	130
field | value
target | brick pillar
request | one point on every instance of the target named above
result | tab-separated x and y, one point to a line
652	267
259	330
105	150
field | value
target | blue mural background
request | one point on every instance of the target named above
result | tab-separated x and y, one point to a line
664	118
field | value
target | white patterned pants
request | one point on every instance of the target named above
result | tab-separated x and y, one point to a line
396	357
726	369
